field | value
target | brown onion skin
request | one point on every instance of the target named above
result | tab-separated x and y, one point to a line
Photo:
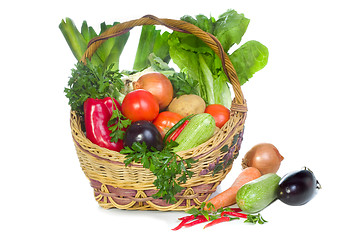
263	156
159	86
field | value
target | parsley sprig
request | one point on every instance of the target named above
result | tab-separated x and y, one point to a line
117	123
170	169
92	81
255	219
183	84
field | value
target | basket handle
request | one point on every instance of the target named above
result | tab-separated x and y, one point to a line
176	25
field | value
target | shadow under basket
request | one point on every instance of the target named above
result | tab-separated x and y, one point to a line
131	187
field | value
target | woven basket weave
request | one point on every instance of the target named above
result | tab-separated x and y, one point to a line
131	187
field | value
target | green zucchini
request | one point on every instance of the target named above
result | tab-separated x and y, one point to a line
199	129
257	194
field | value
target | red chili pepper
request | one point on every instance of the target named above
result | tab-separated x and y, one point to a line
199	219
182	223
190	217
217	221
235	214
236	209
179	130
97	113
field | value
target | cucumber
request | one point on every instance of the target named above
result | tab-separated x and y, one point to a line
200	128
255	195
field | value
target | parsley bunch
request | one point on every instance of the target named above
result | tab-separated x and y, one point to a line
92	81
166	165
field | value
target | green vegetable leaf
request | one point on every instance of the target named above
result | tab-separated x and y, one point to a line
91	81
255	219
251	57
157	64
87	32
73	37
230	28
209	82
199	61
195	58
193	211
151	41
181	82
107	54
201	21
165	165
117	123
111	50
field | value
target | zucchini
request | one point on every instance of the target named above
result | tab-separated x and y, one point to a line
199	129
257	194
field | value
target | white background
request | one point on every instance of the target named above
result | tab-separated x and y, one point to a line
305	102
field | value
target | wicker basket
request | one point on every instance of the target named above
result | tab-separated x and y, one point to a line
131	187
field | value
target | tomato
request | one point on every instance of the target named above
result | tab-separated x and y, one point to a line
140	105
220	113
165	120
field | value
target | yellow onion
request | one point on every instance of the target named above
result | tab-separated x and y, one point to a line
158	85
264	156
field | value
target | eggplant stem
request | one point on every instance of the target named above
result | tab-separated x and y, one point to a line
318	185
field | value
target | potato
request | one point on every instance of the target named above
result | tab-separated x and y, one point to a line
187	104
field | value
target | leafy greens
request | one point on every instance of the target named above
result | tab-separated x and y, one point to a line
92	81
181	82
192	55
151	41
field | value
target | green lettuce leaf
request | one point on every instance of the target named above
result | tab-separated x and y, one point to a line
230	28
249	58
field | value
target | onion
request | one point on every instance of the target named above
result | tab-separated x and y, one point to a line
159	86
264	156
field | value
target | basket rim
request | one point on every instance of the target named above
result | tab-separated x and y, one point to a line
118	158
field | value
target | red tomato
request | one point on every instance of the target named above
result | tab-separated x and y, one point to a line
165	120
140	105
220	113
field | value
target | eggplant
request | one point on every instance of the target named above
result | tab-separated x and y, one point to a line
143	131
297	188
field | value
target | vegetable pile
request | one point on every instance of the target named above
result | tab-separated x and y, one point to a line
152	112
253	191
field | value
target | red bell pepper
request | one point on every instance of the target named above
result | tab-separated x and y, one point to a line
97	113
